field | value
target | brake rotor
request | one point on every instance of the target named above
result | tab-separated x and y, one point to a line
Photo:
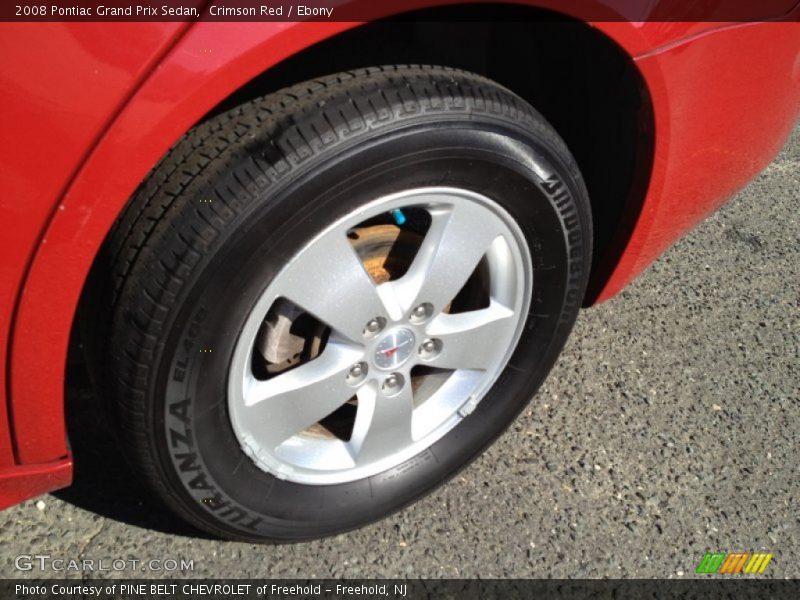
385	250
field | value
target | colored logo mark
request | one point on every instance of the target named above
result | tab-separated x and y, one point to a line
737	562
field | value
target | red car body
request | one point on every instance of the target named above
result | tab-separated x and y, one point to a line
88	109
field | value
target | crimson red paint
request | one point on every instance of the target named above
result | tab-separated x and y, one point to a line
100	104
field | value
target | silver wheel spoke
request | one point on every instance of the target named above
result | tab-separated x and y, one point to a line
383	424
458	238
278	408
328	280
472	340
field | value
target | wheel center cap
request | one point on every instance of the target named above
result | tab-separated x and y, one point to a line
394	348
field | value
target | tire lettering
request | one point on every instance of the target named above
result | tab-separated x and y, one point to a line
200	482
178	439
188	461
190	467
180	410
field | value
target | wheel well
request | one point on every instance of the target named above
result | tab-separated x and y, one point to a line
580	80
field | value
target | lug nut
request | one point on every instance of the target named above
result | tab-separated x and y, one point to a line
374	326
357	373
430	348
393	383
421	312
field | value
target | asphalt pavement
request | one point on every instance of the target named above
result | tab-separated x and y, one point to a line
670	427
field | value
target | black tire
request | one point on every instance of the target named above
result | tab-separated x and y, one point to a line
186	270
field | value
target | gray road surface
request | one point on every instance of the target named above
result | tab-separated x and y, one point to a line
669	427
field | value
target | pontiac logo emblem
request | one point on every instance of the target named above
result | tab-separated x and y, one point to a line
394	348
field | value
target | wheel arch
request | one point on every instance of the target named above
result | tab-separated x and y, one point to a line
213	64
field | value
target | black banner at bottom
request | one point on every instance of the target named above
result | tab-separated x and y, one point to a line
331	589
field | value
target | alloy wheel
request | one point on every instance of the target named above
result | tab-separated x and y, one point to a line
354	360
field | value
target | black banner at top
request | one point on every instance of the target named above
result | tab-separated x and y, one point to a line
369	10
